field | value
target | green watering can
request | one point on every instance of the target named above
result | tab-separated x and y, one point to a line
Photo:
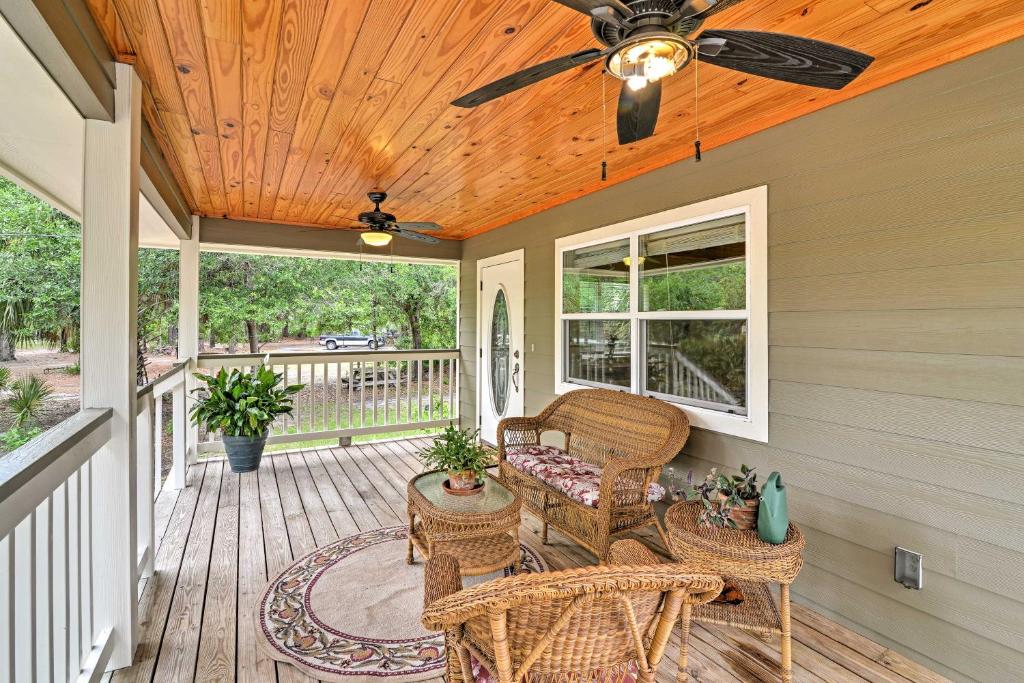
772	516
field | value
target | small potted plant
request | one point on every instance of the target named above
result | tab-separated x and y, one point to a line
459	453
728	501
242	406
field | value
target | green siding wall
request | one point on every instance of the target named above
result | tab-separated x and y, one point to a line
896	325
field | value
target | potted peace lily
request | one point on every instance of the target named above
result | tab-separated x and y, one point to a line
459	453
242	406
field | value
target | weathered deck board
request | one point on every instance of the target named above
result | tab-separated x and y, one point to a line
226	533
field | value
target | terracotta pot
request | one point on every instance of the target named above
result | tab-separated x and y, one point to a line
466	479
746	516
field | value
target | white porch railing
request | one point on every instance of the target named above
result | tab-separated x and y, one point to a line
149	430
47	626
349	394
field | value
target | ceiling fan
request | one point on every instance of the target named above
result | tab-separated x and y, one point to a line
649	40
378	226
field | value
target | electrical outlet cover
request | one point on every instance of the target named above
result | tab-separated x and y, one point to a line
909	570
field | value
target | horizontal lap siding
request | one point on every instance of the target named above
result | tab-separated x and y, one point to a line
896	333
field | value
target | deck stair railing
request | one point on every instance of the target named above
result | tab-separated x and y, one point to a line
354	393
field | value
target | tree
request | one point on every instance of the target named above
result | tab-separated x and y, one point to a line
40	253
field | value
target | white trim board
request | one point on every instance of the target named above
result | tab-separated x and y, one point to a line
516	255
753	203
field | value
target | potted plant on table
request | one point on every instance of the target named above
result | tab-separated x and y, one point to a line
729	501
459	453
242	406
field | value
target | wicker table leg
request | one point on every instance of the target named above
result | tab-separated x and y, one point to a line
787	654
409	559
684	641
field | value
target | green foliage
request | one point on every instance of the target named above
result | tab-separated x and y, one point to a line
158	296
27	396
266	295
456	450
40	251
242	403
721	287
242	295
74	369
16	436
720	494
5	378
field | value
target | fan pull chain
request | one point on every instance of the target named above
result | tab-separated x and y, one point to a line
604	130
696	104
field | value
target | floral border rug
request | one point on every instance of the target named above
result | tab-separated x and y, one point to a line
351	610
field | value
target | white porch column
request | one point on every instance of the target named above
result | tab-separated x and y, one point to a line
110	243
188	336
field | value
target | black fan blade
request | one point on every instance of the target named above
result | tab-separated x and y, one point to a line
638	112
418	236
417	225
529	76
588	6
787	58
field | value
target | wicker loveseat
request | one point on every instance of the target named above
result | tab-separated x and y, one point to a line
602	480
607	624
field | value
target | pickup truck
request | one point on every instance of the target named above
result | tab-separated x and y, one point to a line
353	338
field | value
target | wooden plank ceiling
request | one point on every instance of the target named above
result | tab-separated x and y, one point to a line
291	110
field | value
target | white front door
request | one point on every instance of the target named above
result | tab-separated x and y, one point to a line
500	335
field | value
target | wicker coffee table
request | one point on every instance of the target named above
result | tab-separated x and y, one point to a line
481	531
753	564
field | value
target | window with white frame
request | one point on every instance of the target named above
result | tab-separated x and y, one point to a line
672	305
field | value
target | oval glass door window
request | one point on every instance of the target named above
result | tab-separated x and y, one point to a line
500	355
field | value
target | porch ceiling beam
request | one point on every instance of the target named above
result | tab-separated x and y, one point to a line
66	41
259	237
160	188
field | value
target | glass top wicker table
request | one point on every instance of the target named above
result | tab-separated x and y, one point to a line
750	562
481	531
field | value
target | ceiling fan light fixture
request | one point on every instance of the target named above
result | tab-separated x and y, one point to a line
649	58
375	238
636	82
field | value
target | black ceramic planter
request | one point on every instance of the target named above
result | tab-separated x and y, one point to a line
244	452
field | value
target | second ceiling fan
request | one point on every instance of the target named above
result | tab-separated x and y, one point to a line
648	40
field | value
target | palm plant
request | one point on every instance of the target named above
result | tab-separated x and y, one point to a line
5	378
27	397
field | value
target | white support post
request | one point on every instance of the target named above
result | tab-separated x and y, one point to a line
110	244
188	340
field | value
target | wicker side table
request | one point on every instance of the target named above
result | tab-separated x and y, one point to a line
481	531
751	563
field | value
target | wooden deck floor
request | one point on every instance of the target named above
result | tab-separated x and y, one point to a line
225	533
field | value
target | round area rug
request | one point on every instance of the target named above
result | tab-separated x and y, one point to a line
351	609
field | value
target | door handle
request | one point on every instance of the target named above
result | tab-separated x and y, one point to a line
515	377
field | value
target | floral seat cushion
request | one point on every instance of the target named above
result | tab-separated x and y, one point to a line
577	479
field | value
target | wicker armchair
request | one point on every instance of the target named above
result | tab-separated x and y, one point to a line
605	624
622	438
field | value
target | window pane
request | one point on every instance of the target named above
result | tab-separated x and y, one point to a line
596	279
500	357
597	352
700	362
696	268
